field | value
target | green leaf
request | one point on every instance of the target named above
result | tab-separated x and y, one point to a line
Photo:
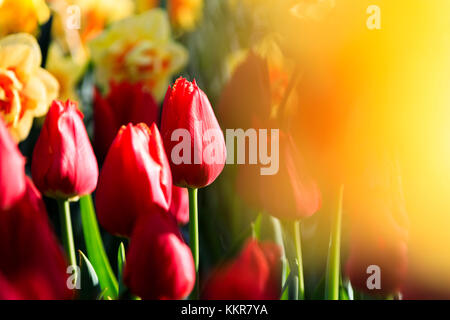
121	258
319	290
90	287
286	272
343	294
349	289
120	266
95	250
285	288
101	296
345	289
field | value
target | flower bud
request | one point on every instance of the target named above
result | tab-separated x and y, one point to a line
291	193
192	136
32	264
254	275
246	95
135	179
379	225
377	266
159	264
64	164
125	103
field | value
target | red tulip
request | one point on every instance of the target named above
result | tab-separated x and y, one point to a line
390	255
12	170
249	180
247	95
254	275
179	207
125	103
32	265
7	290
290	193
248	185
135	179
418	287
197	149
377	239
159	264
378	224
64	164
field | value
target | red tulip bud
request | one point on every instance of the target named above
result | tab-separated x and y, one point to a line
378	240
135	179
12	170
7	290
192	137
179	207
125	103
254	275
389	255
32	265
246	95
379	223
159	264
291	193
64	164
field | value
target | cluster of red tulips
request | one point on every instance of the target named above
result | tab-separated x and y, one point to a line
140	194
143	195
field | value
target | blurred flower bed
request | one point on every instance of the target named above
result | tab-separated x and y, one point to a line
90	95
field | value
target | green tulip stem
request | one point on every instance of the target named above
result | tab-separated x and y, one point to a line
67	233
294	288
193	236
334	253
299	260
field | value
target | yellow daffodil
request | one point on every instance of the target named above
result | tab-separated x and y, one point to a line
94	16
26	90
184	14
22	15
138	48
144	5
66	70
97	14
